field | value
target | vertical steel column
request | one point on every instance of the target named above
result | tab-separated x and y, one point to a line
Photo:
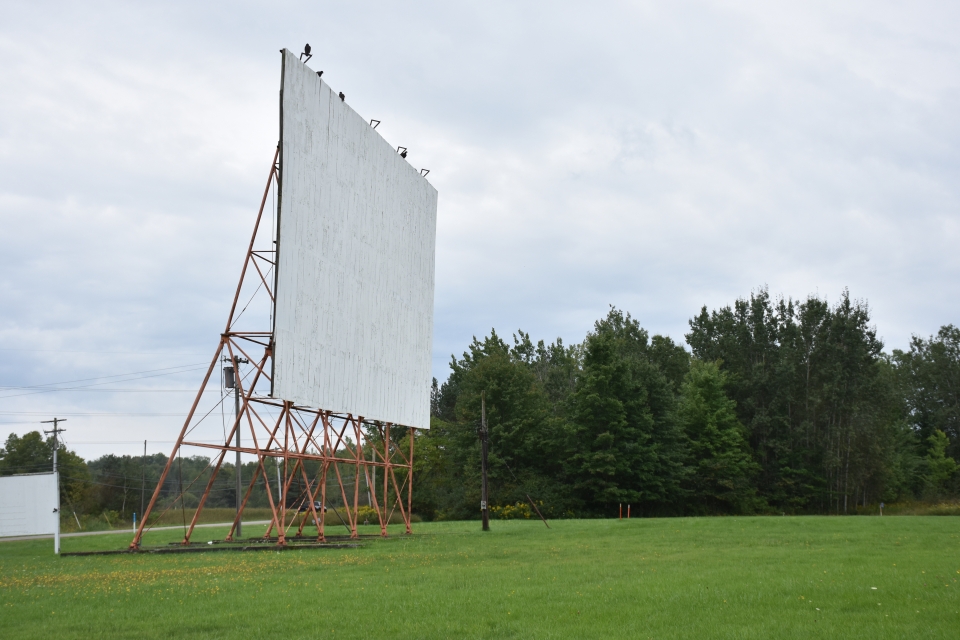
323	477
386	475
282	527
356	480
410	433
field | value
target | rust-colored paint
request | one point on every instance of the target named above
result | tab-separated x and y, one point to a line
291	438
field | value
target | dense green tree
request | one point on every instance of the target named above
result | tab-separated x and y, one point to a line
119	485
626	446
31	453
723	470
809	383
526	435
938	467
930	373
439	486
671	359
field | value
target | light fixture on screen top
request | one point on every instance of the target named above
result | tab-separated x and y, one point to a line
306	52
374	125
319	74
424	172
402	151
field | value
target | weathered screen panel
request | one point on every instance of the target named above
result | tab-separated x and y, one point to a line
355	280
27	504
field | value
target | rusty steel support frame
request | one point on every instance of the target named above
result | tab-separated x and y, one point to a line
296	435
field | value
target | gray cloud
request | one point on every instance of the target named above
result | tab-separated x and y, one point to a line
657	157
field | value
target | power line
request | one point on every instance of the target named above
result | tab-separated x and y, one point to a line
156	375
120	391
135	353
74	442
80	414
116	375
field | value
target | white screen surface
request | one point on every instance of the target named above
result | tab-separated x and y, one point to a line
27	504
357	234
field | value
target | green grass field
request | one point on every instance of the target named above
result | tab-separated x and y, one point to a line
763	577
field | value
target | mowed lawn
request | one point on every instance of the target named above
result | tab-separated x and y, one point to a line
763	577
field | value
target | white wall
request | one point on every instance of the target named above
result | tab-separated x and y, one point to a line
354	310
27	503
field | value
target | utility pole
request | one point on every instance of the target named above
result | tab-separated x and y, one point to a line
230	375
56	476
484	510
143	476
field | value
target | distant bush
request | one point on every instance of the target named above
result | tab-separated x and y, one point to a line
947	508
512	511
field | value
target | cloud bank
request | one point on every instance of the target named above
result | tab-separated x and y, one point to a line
655	157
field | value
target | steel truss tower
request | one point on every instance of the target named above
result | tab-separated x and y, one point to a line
293	435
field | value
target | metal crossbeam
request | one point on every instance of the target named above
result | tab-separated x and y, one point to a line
332	439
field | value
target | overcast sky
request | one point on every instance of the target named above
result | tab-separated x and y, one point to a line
654	156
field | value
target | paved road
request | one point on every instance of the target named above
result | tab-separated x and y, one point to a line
49	536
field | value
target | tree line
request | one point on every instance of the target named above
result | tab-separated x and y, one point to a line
771	406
